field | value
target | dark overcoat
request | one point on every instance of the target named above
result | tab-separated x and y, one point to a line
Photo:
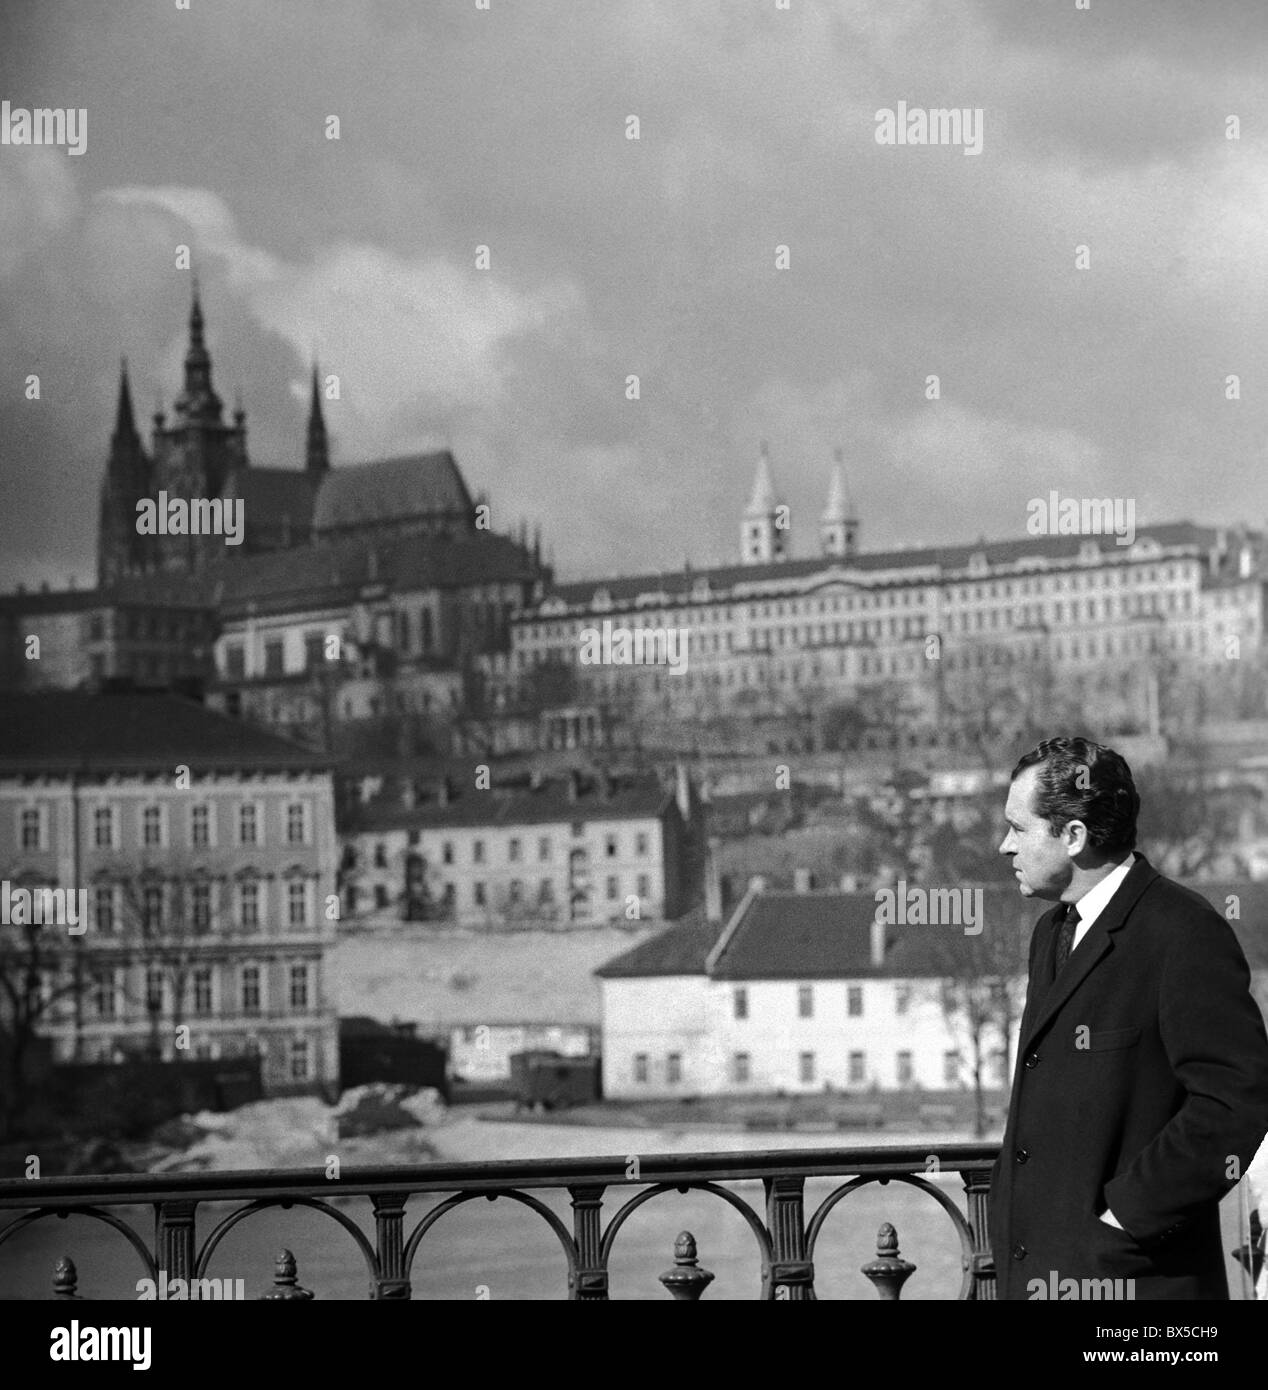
1142	1085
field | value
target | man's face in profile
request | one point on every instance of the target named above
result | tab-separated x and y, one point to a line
1040	861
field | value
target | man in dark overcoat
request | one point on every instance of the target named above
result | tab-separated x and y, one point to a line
1141	1087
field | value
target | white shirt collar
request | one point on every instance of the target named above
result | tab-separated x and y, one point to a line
1096	899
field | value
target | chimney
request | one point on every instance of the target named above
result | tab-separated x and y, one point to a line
878	940
712	881
803	880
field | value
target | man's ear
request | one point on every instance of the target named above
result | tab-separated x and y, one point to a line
1074	833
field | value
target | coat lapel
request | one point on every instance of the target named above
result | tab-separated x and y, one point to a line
1094	947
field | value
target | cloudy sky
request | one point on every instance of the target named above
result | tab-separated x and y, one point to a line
506	127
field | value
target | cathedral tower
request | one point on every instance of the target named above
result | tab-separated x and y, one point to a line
764	529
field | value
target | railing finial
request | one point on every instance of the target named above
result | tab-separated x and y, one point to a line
888	1271
286	1284
66	1279
686	1281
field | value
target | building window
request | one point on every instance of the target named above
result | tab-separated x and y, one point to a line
248	824
446	852
477	894
299	1059
32	828
513	850
154	989
854	1001
152	908
477	851
614	887
640	843
104	906
297	903
673	1068
640	1068
200	826
806	1067
103	827
235	661
380	854
152	826
249	906
296	823
515	892
543	849
314	650
950	1068
739	1001
546	893
644	885
273	656
250	989
299	986
805	1001
857	1073
740	1070
609	846
381	897
200	907
902	998
105	1000
905	1073
202	991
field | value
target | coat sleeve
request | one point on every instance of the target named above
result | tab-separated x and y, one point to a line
1213	1034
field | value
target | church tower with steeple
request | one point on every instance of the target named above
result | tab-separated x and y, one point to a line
317	450
127	480
198	452
839	527
764	528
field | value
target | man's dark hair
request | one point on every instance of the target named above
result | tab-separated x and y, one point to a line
1084	781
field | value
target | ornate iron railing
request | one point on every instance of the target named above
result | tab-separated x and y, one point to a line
784	1237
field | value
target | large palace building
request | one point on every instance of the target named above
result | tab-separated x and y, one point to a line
930	626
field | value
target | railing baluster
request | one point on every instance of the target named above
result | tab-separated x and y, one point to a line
888	1271
591	1284
389	1226
176	1239
687	1280
977	1193
792	1274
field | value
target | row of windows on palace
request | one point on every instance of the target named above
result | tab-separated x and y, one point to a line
153	827
903	995
1063	583
515	847
741	1068
156	907
515	893
106	994
298	1062
917	626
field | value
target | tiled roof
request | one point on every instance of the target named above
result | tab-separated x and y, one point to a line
678	950
271	494
61	730
391	490
827	935
679	584
644	799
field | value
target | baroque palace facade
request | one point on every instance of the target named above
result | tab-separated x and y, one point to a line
932	627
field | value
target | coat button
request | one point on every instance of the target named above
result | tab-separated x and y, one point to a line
1021	1155
1032	1060
1019	1251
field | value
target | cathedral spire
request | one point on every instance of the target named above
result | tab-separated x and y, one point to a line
764	527
317	453
838	527
124	419
198	401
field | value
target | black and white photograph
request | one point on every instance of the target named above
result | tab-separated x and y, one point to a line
634	661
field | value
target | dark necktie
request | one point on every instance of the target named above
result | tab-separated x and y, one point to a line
1065	937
